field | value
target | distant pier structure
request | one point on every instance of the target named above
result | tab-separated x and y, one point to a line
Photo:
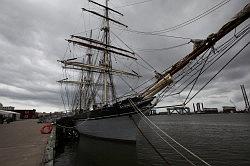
174	110
152	112
245	98
228	109
199	109
211	110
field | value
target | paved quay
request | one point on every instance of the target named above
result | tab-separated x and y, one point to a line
21	143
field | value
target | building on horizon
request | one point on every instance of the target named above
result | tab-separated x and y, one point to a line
210	110
229	109
8	108
27	114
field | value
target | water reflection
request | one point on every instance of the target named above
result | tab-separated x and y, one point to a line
96	152
218	139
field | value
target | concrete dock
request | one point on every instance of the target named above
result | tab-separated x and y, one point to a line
21	143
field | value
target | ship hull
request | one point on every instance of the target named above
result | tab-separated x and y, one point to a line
116	122
119	128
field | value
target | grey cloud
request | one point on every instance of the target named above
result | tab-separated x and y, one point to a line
32	37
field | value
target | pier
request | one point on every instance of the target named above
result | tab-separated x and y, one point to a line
174	110
21	143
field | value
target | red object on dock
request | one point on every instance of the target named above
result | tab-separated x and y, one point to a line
46	129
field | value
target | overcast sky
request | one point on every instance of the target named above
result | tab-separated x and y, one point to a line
32	34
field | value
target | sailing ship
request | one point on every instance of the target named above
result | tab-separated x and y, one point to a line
98	110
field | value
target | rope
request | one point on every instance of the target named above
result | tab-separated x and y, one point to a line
182	75
196	79
212	9
132	4
220	51
194	155
166	141
226	49
132	89
133	51
219	71
61	94
161	49
156	34
155	149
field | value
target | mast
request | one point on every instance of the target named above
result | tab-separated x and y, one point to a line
166	78
106	63
80	90
89	77
109	91
80	93
102	86
113	92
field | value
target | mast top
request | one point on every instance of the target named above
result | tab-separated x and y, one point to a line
105	17
106	7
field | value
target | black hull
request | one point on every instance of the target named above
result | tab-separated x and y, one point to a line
117	122
118	109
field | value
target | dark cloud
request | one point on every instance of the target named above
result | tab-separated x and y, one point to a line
32	34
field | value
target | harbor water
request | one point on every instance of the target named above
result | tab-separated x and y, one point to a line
219	139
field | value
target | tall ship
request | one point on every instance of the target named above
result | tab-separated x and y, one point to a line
90	76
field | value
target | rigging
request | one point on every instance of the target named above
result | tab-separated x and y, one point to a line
181	25
220	51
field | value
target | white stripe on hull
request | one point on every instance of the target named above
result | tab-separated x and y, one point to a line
117	128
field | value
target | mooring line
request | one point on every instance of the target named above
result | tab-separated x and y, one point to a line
196	156
190	162
155	149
